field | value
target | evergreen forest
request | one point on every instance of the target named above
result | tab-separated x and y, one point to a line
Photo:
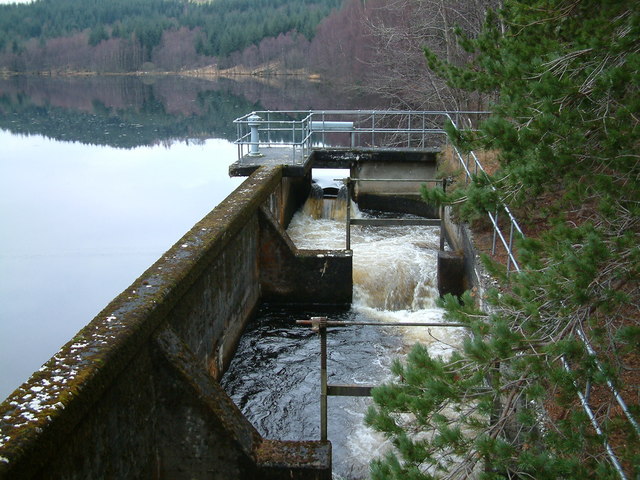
124	35
547	383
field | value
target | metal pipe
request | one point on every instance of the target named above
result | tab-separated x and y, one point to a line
336	323
254	122
321	323
395	222
438	180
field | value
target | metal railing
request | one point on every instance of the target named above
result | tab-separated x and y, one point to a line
320	325
469	164
472	163
300	131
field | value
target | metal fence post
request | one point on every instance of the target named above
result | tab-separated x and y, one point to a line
348	232
442	235
320	324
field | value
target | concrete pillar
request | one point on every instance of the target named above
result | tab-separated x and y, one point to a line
450	273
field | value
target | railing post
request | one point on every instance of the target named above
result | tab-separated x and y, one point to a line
442	236
495	233
373	129
319	324
468	168
269	127
324	142
293	140
510	252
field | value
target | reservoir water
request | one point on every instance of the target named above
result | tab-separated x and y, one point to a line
275	375
81	223
98	177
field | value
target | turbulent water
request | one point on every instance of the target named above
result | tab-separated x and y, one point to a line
275	376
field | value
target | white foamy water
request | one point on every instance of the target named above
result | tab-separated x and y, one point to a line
394	273
395	281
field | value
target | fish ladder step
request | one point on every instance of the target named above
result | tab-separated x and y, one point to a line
390	222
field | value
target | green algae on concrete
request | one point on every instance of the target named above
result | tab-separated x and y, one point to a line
136	388
42	412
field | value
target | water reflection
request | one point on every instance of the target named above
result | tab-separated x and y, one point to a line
129	111
101	175
80	223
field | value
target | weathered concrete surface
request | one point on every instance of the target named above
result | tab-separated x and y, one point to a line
134	393
292	276
400	178
451	273
274	456
459	237
202	434
394	186
349	157
406	168
292	162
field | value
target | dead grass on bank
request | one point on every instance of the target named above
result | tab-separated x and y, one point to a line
449	163
449	167
535	223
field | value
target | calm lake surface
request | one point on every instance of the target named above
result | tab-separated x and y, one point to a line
98	177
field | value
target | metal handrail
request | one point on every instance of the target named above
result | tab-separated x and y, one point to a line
581	334
377	128
302	130
320	325
497	233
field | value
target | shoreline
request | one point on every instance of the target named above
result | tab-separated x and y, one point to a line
206	72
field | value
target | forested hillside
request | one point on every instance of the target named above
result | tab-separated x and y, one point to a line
376	45
124	35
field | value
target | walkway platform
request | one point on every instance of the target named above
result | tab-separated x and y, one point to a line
292	161
300	140
339	157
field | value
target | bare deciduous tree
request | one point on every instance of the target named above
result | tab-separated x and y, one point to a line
401	29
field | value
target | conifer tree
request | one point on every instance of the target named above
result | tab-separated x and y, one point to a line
566	125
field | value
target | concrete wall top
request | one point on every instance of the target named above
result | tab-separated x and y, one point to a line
42	411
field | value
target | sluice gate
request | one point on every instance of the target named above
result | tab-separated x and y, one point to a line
135	394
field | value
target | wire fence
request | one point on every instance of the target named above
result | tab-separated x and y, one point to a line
470	163
303	131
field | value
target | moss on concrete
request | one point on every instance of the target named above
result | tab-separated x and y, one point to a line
35	418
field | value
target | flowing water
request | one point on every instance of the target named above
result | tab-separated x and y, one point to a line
99	175
275	376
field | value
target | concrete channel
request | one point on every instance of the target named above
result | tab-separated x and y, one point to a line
135	394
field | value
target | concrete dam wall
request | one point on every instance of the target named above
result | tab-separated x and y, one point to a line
135	393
